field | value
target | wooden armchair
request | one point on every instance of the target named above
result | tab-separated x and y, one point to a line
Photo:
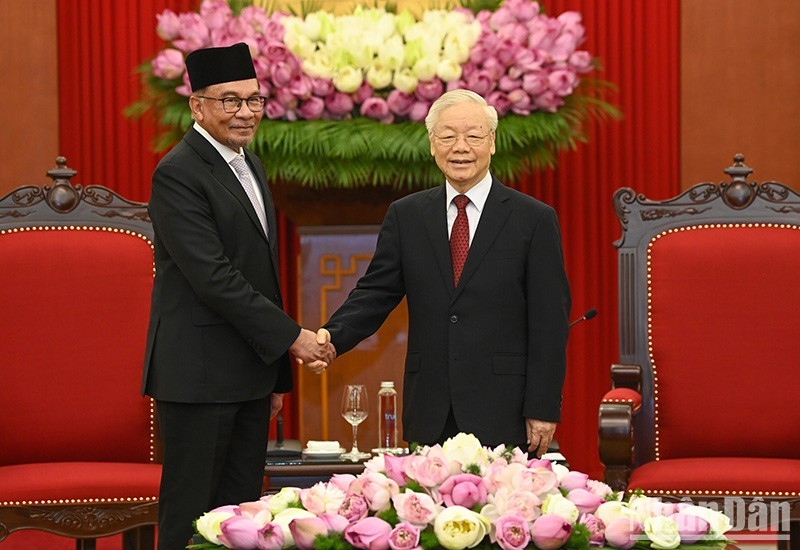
704	401
78	443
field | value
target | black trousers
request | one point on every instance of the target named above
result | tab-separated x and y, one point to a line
451	429
213	455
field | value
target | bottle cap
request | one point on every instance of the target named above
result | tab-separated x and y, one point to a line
387	384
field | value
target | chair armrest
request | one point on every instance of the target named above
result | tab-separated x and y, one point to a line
617	410
626	376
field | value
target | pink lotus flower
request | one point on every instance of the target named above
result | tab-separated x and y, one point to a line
419	110
377	489
586	501
562	82
240	532
415	508
465	490
429	90
321	87
375	107
354	507
550	532
596	527
274	110
692	528
215	13
281	73
623	533
404	536
480	82
369	534
433	468
300	86
393	465
312	108
362	93
511	532
275	50
168	25
573	480
343	481
305	530
339	103
168	64
193	32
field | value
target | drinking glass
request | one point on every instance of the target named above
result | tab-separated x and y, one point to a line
355	409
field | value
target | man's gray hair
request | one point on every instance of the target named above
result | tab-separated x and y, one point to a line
457	97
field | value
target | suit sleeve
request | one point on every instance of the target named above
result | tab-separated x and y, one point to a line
549	303
376	293
185	224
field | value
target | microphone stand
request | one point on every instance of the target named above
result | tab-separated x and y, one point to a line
280	448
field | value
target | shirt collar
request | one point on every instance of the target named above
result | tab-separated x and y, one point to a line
477	195
227	153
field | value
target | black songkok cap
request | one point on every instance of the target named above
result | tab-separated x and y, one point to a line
217	65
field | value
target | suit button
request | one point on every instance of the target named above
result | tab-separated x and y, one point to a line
454	318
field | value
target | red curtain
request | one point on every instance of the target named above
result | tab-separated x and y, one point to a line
102	43
638	43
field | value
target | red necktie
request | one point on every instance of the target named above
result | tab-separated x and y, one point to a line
459	237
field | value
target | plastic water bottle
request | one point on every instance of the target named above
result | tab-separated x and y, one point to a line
387	415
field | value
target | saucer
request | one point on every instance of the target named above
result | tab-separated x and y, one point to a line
323	453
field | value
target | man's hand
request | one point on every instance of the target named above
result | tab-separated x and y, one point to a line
540	433
314	350
276	404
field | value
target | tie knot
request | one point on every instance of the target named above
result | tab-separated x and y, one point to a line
461	201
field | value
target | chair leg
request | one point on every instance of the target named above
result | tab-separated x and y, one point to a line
794	537
85	544
140	538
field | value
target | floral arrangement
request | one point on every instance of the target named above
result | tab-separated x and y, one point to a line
347	95
455	496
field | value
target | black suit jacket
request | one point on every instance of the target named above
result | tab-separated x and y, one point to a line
492	348
217	331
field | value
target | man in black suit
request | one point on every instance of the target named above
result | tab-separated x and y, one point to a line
218	345
486	339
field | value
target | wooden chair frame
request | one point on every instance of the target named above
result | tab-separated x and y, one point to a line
64	205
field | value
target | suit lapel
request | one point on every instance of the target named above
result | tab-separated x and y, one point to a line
493	218
269	208
224	174
434	213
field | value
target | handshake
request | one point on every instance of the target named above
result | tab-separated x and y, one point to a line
314	350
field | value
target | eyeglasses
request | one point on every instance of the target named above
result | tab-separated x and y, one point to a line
233	104
473	140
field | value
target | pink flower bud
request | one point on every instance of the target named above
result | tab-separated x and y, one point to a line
585	501
465	490
623	533
305	530
692	528
375	107
239	532
550	532
168	64
370	533
168	25
339	103
312	108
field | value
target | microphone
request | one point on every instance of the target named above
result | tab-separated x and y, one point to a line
590	314
282	448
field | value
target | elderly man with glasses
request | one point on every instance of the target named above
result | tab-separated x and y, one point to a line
482	268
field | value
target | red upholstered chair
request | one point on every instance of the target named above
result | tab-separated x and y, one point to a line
78	443
705	402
